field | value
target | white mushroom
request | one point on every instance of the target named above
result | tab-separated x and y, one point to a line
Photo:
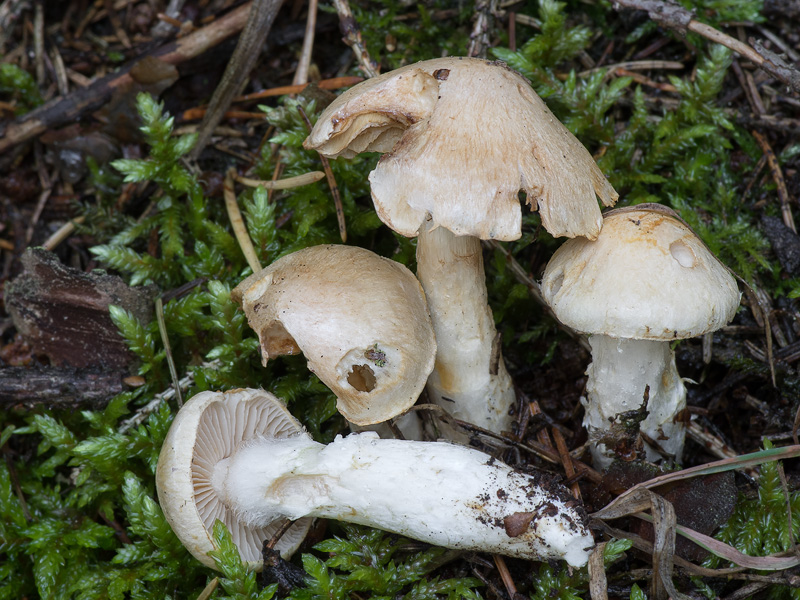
464	136
206	431
360	320
646	281
437	492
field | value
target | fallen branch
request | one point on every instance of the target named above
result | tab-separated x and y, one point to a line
64	388
260	15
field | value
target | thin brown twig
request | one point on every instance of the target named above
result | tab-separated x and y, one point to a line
352	37
259	22
301	74
777	177
37	213
239	229
479	38
638	65
505	575
548	454
38	41
566	461
337	199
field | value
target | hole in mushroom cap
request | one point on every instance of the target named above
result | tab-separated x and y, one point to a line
683	254
362	378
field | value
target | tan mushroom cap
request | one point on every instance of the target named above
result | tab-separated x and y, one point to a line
647	276
463	137
360	320
207	430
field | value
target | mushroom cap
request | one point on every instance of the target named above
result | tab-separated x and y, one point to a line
208	429
464	136
361	321
647	276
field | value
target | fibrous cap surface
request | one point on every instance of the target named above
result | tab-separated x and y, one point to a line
208	429
463	136
647	276
360	320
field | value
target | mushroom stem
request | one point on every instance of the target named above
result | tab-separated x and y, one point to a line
469	377
617	377
437	492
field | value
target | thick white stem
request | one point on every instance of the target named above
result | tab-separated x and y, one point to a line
469	378
438	492
617	377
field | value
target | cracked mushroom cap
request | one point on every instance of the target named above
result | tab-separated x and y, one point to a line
647	276
361	321
207	430
463	136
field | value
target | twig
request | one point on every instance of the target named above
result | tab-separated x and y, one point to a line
173	10
673	16
282	184
505	575
638	65
162	328
239	229
301	74
352	37
337	199
639	78
539	450
777	177
326	84
598	586
209	589
37	213
334	83
38	41
709	441
141	415
479	38
259	22
69	109
566	461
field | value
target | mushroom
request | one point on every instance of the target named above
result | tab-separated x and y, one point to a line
437	492
464	136
205	432
360	320
646	281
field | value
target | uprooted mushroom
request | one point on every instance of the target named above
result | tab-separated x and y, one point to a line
463	137
241	457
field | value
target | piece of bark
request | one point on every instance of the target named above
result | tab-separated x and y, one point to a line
58	387
63	313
